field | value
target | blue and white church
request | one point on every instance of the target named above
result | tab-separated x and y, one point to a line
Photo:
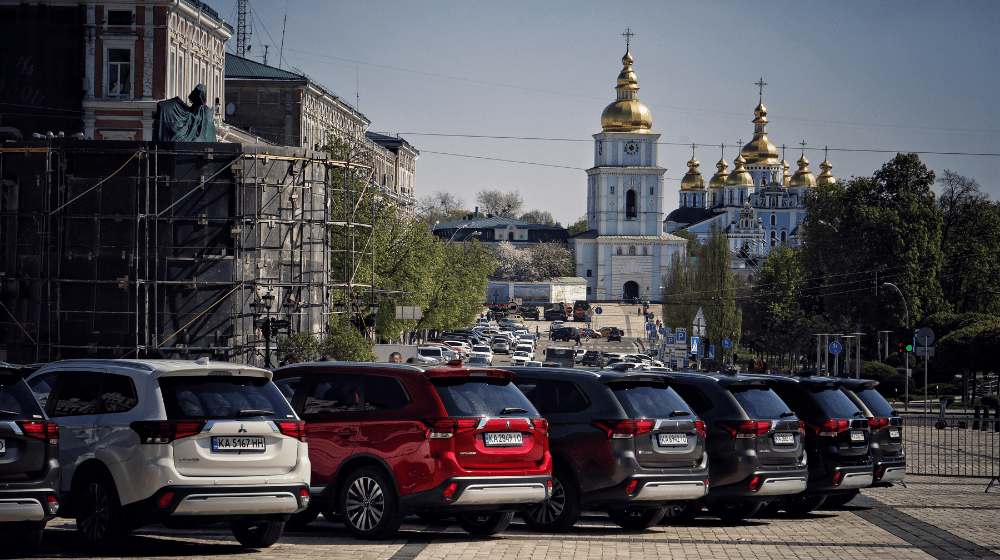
625	252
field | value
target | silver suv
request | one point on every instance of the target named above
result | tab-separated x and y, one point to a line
175	442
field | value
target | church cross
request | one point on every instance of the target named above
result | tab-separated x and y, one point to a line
803	144
723	148
692	150
628	36
761	85
826	152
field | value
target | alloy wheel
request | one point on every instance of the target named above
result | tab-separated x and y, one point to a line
365	503
95	516
550	510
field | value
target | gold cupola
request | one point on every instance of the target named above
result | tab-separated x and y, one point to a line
803	177
719	179
785	175
760	149
739	177
627	114
825	178
693	179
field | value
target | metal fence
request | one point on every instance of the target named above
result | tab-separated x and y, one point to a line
952	445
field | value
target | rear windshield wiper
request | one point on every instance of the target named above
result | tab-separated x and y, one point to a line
680	413
859	413
254	412
513	410
787	414
8	413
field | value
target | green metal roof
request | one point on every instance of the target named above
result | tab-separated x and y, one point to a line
239	67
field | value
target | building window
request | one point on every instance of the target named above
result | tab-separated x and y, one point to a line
685	199
119	72
631	249
783	236
630	204
774	238
619	250
652	190
589	289
773	219
741	197
645	250
120	17
612	189
730	197
589	273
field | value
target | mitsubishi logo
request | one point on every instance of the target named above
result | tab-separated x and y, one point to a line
508	423
242	430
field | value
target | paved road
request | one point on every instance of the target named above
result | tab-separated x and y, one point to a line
932	517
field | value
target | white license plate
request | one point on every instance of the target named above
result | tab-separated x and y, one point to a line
894	433
672	439
857	436
784	439
503	439
238	443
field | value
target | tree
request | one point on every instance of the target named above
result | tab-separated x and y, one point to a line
441	207
552	259
497	203
543	217
775	314
579	227
531	264
971	224
459	288
345	343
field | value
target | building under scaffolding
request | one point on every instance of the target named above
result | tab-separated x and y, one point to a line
133	249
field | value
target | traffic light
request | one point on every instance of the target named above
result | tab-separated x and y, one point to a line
902	347
899	348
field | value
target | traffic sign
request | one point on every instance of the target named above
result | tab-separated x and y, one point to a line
598	310
924	336
681	335
694	344
669	338
653	336
711	352
590	313
663	330
835	347
726	343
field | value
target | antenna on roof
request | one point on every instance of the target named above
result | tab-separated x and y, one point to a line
241	28
281	51
357	88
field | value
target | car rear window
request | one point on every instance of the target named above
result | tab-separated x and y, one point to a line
875	402
833	402
760	403
481	397
649	401
16	400
222	397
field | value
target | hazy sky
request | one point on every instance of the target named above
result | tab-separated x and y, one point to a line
452	76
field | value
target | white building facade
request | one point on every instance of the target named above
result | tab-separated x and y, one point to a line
625	253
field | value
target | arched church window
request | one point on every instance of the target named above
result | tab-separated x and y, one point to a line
774	219
774	238
630	204
741	197
631	249
645	250
510	236
713	199
730	197
589	273
619	251
685	199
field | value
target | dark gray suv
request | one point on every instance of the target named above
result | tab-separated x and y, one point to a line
29	468
625	444
755	444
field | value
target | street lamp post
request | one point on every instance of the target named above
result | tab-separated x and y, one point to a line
906	381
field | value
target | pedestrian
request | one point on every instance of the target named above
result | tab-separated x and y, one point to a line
578	339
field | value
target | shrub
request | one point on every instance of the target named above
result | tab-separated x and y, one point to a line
989	401
877	371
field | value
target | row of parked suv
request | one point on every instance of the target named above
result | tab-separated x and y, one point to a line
188	443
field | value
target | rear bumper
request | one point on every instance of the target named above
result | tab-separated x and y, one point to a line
194	501
27	505
887	472
650	490
769	484
481	493
846	477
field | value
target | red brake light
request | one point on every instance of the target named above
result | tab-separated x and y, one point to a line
700	427
630	489
48	431
876	424
164	501
836	478
739	429
296	430
624	429
450	490
830	427
755	484
165	431
802	428
444	428
542	425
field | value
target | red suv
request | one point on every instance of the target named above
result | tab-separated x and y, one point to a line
386	440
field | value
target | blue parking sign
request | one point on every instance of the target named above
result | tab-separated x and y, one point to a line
711	352
681	335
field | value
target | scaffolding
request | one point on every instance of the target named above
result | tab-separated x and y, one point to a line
130	249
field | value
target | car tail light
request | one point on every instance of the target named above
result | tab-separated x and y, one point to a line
876	424
165	431
755	484
297	430
548	488
53	503
542	425
450	490
630	489
444	428
700	427
739	429
802	428
624	429
164	501
830	427
836	478
48	431
303	497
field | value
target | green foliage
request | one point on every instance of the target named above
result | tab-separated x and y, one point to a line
345	343
775	315
973	347
693	246
877	371
989	401
971	225
579	227
303	346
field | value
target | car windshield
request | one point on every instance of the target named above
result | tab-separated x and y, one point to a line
222	397
760	403
17	402
480	348
483	397
875	402
520	354
832	402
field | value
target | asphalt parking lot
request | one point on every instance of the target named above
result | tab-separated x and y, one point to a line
932	517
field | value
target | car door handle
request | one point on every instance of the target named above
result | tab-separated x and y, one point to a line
82	435
344	432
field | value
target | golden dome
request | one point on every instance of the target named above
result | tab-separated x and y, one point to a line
627	114
719	179
693	179
760	149
739	177
785	175
825	178
803	177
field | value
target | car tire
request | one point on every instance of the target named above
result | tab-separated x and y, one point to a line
734	511
260	534
800	505
99	517
681	513
21	544
368	505
301	519
636	518
484	524
560	510
835	501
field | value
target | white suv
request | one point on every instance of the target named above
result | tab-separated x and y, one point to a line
175	442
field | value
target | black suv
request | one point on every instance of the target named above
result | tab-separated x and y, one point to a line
565	333
593	358
615	335
886	442
29	467
755	444
837	436
626	444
